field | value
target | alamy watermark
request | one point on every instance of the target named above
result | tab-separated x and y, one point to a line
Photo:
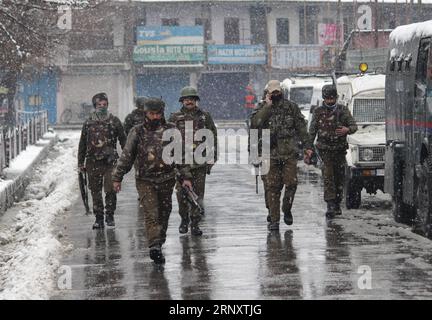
64	281
365	280
234	147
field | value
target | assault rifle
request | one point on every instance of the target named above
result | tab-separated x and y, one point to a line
82	179
192	198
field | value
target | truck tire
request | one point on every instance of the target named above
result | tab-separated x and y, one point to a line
352	194
422	220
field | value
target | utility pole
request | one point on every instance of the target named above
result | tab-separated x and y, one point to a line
376	23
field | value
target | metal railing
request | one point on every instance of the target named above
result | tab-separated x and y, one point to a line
29	128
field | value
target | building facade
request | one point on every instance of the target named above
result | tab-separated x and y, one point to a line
135	48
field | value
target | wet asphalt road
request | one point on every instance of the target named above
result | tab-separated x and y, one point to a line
361	255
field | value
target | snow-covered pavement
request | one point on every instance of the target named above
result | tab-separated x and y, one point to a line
29	248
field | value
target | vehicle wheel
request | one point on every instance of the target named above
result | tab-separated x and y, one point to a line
352	195
422	220
66	116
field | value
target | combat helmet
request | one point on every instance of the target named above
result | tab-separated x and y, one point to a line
188	92
329	91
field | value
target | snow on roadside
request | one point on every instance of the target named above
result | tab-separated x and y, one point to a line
29	250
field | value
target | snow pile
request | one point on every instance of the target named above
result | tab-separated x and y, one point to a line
405	33
31	259
24	159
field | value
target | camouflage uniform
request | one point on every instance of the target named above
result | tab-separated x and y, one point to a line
201	120
286	124
155	179
97	148
332	148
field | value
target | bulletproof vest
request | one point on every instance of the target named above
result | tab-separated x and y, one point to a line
281	122
328	121
199	122
100	139
150	149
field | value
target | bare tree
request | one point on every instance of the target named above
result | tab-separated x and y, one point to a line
29	35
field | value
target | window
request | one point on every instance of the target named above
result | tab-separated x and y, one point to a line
308	24
206	25
422	61
232	31
170	22
95	33
282	31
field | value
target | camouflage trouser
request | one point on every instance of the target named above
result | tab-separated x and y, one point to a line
282	173
186	210
156	203
333	172
99	175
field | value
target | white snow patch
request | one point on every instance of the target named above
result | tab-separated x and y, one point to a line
24	159
405	33
33	252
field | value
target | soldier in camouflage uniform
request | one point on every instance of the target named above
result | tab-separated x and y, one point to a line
136	116
155	178
199	119
285	122
97	154
332	122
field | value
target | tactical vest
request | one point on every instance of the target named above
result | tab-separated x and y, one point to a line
149	161
100	139
281	122
198	119
328	121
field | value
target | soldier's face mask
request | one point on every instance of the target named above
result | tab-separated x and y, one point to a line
102	107
276	96
330	102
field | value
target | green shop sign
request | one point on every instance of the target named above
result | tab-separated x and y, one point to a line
165	53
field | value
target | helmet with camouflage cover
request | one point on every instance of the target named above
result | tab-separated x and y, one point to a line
154	104
188	92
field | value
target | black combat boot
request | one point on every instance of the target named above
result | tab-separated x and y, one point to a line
109	219
288	218
99	223
196	231
268	218
156	254
273	226
330	213
337	210
183	228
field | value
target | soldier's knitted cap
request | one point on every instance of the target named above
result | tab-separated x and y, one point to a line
154	104
273	85
99	96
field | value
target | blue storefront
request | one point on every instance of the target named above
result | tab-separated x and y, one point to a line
38	91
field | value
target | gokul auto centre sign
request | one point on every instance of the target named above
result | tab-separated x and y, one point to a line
169	44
